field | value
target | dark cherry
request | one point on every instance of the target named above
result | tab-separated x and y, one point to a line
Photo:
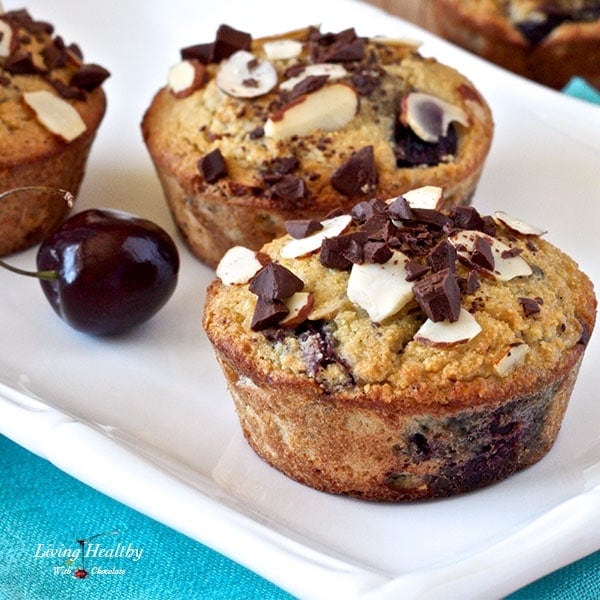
105	271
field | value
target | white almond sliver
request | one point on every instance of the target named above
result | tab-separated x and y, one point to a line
505	268
282	49
6	34
380	289
238	265
513	357
55	114
185	77
445	334
517	224
428	196
303	246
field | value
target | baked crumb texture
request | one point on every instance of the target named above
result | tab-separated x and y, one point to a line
549	41
314	121
452	375
51	105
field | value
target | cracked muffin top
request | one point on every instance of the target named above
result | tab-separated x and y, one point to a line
437	306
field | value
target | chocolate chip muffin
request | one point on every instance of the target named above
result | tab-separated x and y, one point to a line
398	352
51	105
250	133
549	41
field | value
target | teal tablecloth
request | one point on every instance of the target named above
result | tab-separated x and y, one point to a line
45	512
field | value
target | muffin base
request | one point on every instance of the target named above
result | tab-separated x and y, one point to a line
369	450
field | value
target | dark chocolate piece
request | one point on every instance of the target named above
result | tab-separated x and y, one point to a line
289	188
531	306
301	228
267	313
275	282
438	295
482	254
89	77
212	166
357	175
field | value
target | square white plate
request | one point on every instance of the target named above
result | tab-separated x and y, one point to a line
146	418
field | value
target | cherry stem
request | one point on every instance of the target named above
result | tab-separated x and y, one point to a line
66	195
46	275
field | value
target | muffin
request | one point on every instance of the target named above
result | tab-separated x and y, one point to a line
250	133
399	352
51	105
549	41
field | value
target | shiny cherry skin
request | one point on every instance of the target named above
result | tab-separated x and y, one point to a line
113	270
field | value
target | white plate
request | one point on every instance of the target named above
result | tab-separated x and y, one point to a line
146	418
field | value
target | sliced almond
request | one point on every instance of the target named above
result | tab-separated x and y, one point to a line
243	75
55	114
381	289
329	108
445	334
517	224
332	70
282	49
299	304
303	246
238	265
428	196
186	77
505	267
511	359
429	117
389	41
6	38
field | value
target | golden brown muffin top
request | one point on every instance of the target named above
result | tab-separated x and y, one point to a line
242	137
527	318
32	59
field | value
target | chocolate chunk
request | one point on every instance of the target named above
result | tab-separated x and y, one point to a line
344	46
471	283
432	217
20	63
89	77
289	188
443	256
228	40
331	254
275	282
415	269
367	80
65	90
301	228
54	55
467	217
366	209
482	254
438	295
306	86
379	228
257	133
400	209
357	175
376	252
267	313
212	166
511	252
531	306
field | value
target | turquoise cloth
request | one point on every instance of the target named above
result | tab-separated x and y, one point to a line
130	557
579	88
